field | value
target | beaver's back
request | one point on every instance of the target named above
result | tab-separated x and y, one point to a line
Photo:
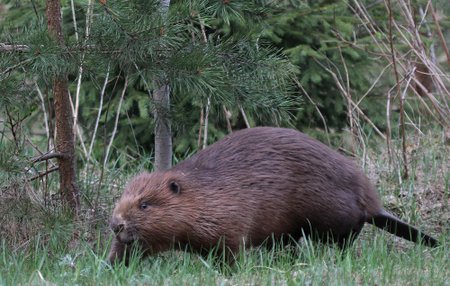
272	180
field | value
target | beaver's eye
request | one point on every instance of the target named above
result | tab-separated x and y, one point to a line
174	187
144	206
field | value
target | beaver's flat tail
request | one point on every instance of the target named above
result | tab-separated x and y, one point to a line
394	225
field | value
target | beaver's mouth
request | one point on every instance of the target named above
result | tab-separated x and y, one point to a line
126	237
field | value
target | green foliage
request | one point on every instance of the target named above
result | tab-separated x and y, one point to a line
16	107
20	90
252	52
233	71
134	39
317	35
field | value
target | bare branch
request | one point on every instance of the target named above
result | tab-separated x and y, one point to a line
355	106
47	156
100	107
44	110
227	118
111	140
400	98
80	73
208	103
348	95
244	116
299	85
439	30
205	132
40	175
74	19
13	48
200	129
76	128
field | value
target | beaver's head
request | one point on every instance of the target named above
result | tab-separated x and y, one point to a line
154	210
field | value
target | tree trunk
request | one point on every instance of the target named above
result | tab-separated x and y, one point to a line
163	132
65	143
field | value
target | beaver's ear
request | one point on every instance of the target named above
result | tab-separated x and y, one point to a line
174	187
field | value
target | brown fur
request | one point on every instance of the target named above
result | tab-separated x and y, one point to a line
253	185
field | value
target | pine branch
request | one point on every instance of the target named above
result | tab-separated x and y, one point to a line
11	68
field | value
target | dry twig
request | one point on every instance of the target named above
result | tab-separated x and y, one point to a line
116	123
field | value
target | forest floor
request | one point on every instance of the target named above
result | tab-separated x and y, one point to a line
41	246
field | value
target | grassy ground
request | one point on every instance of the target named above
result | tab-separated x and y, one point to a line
38	244
372	262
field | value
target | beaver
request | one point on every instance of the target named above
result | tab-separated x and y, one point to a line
254	185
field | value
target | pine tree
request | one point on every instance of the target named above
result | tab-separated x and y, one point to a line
65	145
188	49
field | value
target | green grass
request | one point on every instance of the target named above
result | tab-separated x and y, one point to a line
372	262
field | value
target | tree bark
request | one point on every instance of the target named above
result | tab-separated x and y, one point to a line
65	144
163	132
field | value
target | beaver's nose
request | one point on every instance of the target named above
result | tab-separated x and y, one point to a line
116	225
